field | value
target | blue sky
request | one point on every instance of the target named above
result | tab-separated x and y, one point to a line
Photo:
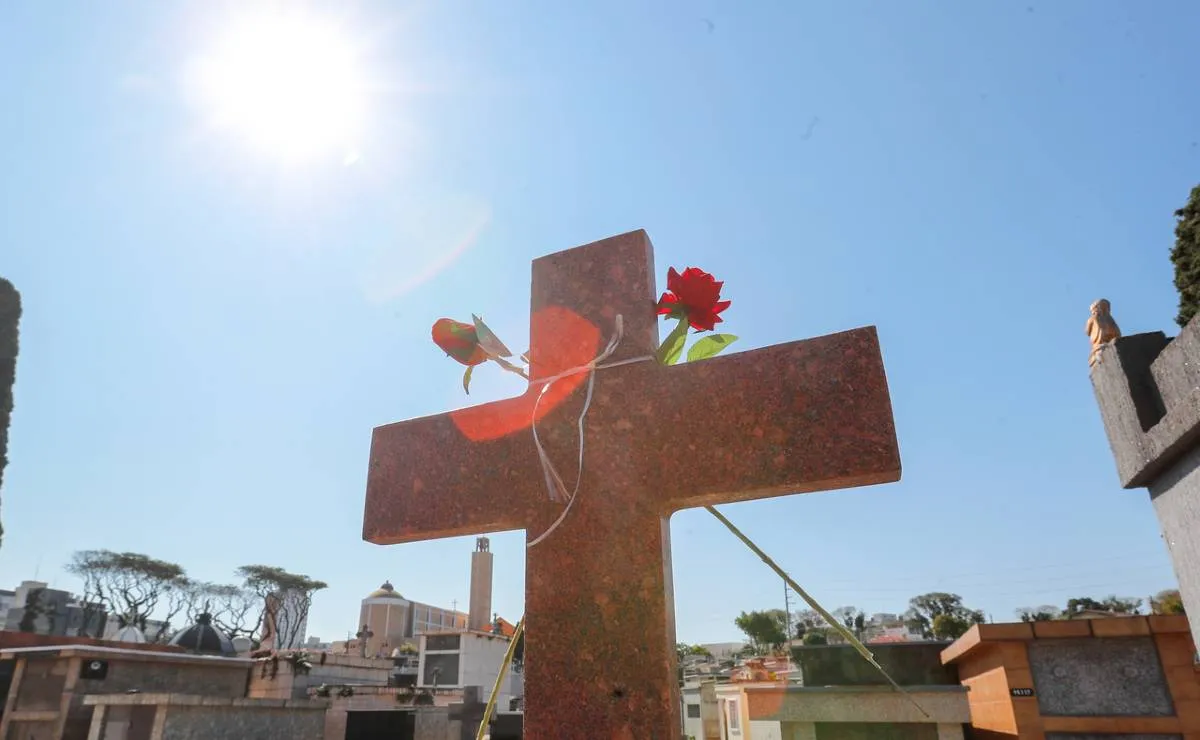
211	332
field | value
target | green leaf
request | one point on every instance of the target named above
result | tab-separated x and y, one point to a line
710	346
488	340
467	379
672	346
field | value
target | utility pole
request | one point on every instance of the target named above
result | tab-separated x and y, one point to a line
787	610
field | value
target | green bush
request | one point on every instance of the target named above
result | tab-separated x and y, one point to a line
10	316
1186	257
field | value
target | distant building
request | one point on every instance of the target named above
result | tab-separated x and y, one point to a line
48	611
480	618
454	660
392	620
8	599
724	650
388	621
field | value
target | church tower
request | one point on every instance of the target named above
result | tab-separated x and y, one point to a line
480	617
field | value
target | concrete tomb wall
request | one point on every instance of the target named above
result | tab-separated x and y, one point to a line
1148	391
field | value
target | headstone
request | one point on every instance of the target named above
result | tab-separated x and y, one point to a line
469	712
1148	389
792	418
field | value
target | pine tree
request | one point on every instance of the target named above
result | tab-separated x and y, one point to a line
1186	258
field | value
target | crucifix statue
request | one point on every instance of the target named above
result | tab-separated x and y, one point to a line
804	416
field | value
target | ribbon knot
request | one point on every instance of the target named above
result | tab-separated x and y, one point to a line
555	486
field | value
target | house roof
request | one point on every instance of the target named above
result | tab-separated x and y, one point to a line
981	635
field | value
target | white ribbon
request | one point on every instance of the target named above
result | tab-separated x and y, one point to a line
554	482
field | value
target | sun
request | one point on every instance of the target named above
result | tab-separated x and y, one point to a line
287	84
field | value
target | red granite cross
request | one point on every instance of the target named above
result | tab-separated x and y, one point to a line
599	609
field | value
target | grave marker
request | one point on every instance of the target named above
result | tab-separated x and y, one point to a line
792	418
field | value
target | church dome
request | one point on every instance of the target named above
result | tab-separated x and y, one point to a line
130	633
202	637
386	591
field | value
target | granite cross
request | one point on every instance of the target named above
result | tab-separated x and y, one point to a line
599	609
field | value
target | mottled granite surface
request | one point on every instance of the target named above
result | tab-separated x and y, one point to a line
1112	676
803	416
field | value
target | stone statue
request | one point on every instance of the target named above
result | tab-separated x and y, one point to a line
1100	328
363	635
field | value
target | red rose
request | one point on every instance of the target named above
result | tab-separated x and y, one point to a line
460	341
694	295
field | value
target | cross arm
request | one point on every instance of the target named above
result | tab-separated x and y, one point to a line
466	472
792	418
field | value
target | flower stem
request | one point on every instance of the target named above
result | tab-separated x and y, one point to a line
508	659
510	367
833	622
672	346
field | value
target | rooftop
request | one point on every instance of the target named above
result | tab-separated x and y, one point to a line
981	634
90	651
386	591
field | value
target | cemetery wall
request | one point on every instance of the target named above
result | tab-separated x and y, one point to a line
911	664
384	698
1148	391
279	681
262	723
195	717
162	677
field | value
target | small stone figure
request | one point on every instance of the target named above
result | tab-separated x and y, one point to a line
363	635
1101	329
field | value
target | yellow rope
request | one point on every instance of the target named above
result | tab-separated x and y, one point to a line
508	659
833	622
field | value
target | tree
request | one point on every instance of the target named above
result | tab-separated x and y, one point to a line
815	637
127	584
1112	605
1043	613
949	626
851	617
683	650
1167	602
33	610
288	598
1186	257
765	629
235	610
1118	605
10	317
924	609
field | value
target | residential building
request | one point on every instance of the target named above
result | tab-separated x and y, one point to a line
842	696
724	650
47	611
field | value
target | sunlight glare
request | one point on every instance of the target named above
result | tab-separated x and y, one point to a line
289	84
